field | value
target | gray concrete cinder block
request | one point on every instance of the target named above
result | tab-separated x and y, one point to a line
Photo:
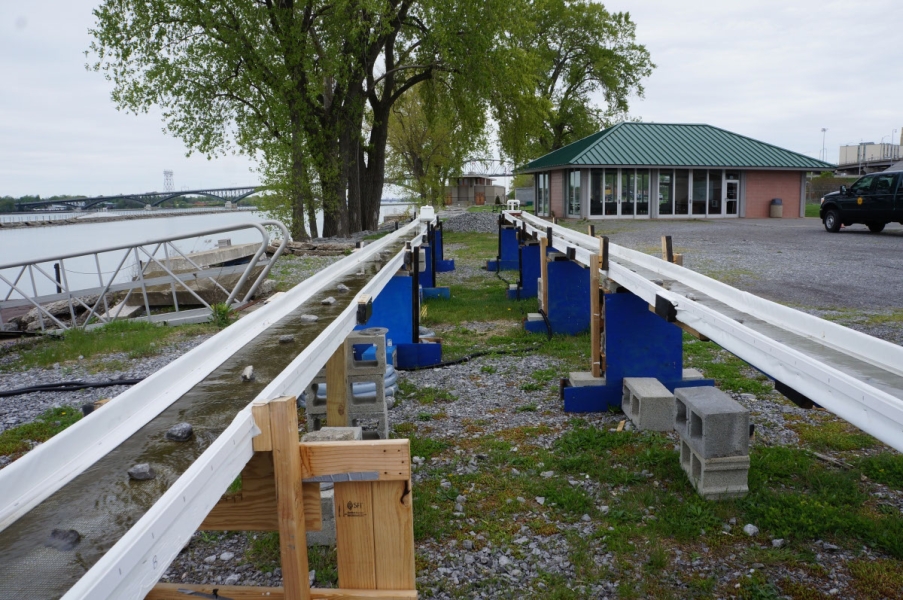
326	535
584	379
715	478
711	422
648	404
333	434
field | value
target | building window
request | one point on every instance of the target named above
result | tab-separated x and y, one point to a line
642	191
628	179
700	187
573	193
682	192
665	192
610	193
715	193
541	206
597	192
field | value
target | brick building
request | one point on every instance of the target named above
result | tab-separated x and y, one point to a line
654	170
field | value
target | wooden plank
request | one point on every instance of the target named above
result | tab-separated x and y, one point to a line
356	559
254	507
390	459
344	594
544	274
393	508
679	259
289	498
261	414
595	317
170	591
337	390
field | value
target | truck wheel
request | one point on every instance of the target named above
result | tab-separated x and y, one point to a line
876	227
832	221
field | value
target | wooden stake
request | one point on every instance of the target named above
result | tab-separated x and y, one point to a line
337	390
289	497
595	317
667	249
603	252
544	273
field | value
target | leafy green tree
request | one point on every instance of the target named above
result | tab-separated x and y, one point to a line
427	143
573	51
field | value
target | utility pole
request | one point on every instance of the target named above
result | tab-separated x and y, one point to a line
824	153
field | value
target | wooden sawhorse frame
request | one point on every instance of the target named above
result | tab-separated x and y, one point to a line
374	516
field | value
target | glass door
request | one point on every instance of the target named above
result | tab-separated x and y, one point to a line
731	192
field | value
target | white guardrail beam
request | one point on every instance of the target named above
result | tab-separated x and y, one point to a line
862	403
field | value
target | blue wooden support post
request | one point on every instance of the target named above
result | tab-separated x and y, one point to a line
428	274
568	307
638	343
397	308
507	259
443	265
530	272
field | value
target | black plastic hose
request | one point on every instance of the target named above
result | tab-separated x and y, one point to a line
67	386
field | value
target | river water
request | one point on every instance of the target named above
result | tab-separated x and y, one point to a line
28	244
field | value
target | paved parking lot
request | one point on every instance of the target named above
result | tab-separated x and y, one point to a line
792	261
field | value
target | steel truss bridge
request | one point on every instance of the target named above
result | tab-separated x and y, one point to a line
233	194
487	167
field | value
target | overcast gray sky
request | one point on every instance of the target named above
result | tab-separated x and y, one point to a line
777	71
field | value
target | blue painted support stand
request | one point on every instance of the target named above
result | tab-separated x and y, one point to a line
530	271
442	265
428	277
509	251
638	343
568	310
392	309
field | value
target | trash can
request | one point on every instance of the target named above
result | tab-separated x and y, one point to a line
776	210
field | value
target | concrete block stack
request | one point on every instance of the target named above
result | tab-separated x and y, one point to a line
714	441
364	409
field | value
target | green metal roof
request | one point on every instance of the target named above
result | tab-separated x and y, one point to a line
673	145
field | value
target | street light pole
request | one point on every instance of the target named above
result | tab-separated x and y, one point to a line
824	154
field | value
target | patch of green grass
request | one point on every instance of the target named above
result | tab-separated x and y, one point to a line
263	552
526	408
137	339
426	447
875	579
222	315
791	496
488	369
324	560
15	440
531	386
886	468
812	210
833	435
431	395
424	416
728	371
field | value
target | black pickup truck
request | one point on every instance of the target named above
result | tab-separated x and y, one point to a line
874	200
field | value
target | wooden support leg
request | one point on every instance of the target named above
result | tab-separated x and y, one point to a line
337	414
289	497
544	274
595	325
394	535
603	252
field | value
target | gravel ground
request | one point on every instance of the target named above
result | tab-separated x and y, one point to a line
793	262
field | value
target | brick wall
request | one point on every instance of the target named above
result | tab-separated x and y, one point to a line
762	186
556	194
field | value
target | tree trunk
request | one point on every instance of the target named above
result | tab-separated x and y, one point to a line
372	192
298	184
